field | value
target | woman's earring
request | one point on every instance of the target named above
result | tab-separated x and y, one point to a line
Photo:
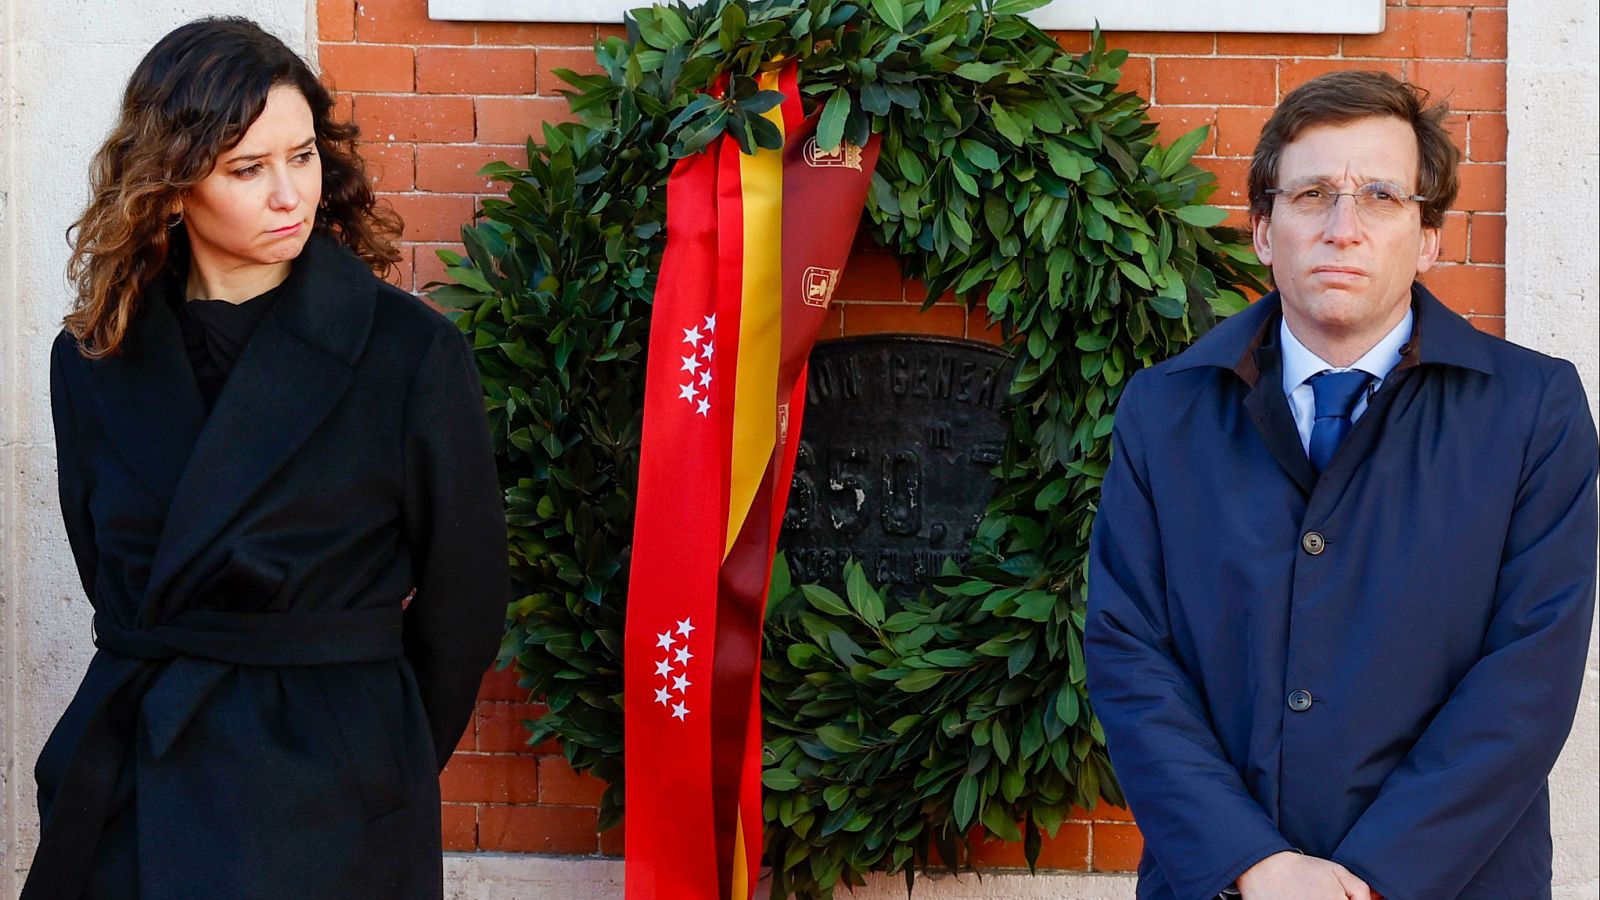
176	220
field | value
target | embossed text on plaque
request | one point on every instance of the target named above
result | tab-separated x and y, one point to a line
897	443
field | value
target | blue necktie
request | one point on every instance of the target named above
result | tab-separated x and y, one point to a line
1336	394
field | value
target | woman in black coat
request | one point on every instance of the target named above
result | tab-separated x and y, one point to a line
277	480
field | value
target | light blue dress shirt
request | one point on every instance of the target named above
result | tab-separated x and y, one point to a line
1299	364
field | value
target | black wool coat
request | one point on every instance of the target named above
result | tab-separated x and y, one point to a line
267	712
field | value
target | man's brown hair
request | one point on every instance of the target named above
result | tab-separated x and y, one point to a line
1340	97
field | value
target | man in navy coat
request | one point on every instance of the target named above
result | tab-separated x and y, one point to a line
1343	574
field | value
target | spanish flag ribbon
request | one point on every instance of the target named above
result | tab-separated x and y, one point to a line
755	246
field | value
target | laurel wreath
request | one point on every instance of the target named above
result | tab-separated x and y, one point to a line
1013	175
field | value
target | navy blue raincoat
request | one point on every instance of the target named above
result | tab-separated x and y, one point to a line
1378	665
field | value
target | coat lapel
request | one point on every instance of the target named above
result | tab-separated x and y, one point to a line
148	400
288	378
1269	410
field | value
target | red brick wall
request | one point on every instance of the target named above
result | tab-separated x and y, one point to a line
436	100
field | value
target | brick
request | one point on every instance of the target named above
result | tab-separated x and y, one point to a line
872	318
392	167
872	276
582	62
432	217
537	829
1239	128
979	328
832	324
430	270
1294	72
1469	290
500	728
1456	125
1476	3
458	826
468	742
1116	848
1068	850
1488	27
1102	812
480	778
1414	34
384	117
400	275
368	67
1277	44
537	34
501	684
510	120
451	168
406	22
1483	187
1464	85
1453	238
1242	82
609	31
1488	238
1233	178
560	785
1487	141
1073	41
1138	77
1495	325
336	20
611	841
476	70
343	108
1173	122
1166	43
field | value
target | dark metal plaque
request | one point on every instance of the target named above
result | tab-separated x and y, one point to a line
899	435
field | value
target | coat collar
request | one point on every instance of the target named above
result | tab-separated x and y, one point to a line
291	373
1438	337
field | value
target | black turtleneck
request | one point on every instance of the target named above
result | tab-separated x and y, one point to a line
215	333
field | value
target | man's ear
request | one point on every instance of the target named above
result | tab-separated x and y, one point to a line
1429	252
1260	236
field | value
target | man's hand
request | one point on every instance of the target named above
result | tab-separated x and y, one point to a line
1291	876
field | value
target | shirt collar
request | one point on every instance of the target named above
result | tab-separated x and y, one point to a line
1300	363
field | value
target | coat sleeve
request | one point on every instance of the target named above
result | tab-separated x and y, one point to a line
456	529
1487	752
72	471
1198	818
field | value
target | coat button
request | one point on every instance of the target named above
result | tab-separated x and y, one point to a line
1300	701
1313	543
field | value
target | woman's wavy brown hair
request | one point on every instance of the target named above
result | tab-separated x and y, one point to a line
192	98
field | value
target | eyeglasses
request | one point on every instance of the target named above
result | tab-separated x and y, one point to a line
1375	201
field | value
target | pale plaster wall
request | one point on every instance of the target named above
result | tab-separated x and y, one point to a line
63	64
1553	305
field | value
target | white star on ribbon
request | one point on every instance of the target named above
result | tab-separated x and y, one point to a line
684	628
679	711
684	656
663	696
692	336
690	364
664	668
704	408
705	378
680	683
711	323
664	640
706	351
688	391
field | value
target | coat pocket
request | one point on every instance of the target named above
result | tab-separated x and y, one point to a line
368	747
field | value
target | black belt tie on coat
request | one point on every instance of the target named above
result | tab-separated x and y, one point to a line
170	670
